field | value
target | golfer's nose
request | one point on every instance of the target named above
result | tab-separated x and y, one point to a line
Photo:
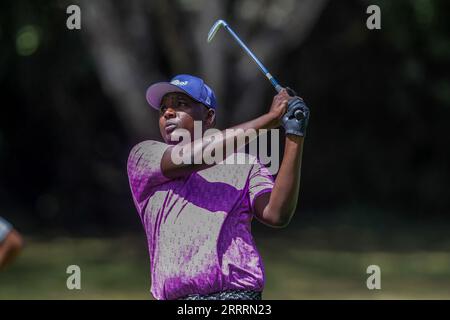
169	113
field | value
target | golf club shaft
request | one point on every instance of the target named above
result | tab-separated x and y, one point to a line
297	114
272	80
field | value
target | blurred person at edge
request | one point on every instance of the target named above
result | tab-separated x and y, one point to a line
11	243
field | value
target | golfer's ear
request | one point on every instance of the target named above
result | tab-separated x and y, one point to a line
211	117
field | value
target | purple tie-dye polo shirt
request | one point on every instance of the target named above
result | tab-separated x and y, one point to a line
199	226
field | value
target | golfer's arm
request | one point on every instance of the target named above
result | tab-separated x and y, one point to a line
277	207
228	138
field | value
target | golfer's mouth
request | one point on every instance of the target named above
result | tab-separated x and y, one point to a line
170	127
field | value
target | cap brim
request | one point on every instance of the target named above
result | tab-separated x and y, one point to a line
157	91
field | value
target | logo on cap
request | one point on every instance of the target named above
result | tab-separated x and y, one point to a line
179	83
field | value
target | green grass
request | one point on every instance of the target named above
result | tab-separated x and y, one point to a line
110	269
295	269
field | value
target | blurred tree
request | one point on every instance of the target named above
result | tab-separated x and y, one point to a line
132	46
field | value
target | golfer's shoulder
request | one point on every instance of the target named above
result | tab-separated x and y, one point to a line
252	165
148	146
240	162
148	150
249	158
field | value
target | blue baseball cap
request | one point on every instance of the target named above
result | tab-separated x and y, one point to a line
194	87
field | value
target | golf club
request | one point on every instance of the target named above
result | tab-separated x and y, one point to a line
221	23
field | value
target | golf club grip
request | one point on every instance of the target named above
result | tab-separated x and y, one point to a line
297	114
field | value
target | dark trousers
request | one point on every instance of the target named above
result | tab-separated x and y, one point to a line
226	295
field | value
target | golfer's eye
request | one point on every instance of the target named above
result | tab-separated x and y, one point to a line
182	104
162	109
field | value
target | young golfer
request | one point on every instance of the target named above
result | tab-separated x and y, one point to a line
197	216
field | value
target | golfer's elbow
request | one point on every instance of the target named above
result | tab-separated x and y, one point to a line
281	223
278	218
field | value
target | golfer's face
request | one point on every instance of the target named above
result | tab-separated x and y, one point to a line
178	110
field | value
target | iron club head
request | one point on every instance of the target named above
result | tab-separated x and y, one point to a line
212	32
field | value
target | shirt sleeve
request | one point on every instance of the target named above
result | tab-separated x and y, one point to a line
260	181
144	168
